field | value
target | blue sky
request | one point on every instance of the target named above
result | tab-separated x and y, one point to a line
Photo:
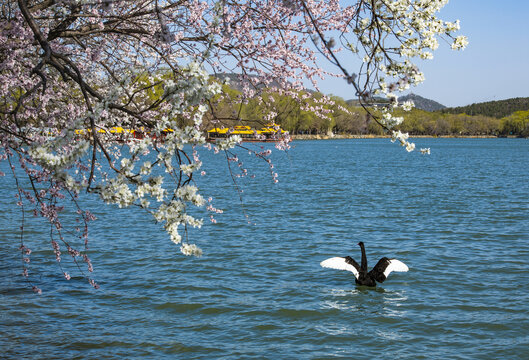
494	66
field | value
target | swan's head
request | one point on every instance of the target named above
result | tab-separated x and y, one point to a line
360	243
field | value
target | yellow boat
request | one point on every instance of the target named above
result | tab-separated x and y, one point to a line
246	132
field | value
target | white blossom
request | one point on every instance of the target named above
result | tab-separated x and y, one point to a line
190	249
229	142
407	105
188	169
403	139
460	43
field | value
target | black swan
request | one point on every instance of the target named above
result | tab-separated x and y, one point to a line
379	273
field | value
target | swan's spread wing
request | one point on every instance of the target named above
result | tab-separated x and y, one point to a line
396	265
342	263
385	266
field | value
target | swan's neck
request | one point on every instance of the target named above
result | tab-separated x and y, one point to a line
363	264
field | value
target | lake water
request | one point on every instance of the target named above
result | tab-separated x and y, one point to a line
458	218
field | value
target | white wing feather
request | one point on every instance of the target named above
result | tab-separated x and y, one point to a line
395	265
339	263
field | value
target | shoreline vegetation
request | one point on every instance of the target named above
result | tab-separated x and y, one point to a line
372	136
314	116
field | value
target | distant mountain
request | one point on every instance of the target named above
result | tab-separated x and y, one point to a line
419	101
232	79
497	109
422	103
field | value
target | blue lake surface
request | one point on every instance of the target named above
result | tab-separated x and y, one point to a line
458	218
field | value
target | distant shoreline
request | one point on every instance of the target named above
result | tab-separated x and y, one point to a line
370	136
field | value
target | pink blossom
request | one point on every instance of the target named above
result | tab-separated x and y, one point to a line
93	283
37	290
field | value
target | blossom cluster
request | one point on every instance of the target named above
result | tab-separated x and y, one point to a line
185	98
391	34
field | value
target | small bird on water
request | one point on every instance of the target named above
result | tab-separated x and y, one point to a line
379	273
